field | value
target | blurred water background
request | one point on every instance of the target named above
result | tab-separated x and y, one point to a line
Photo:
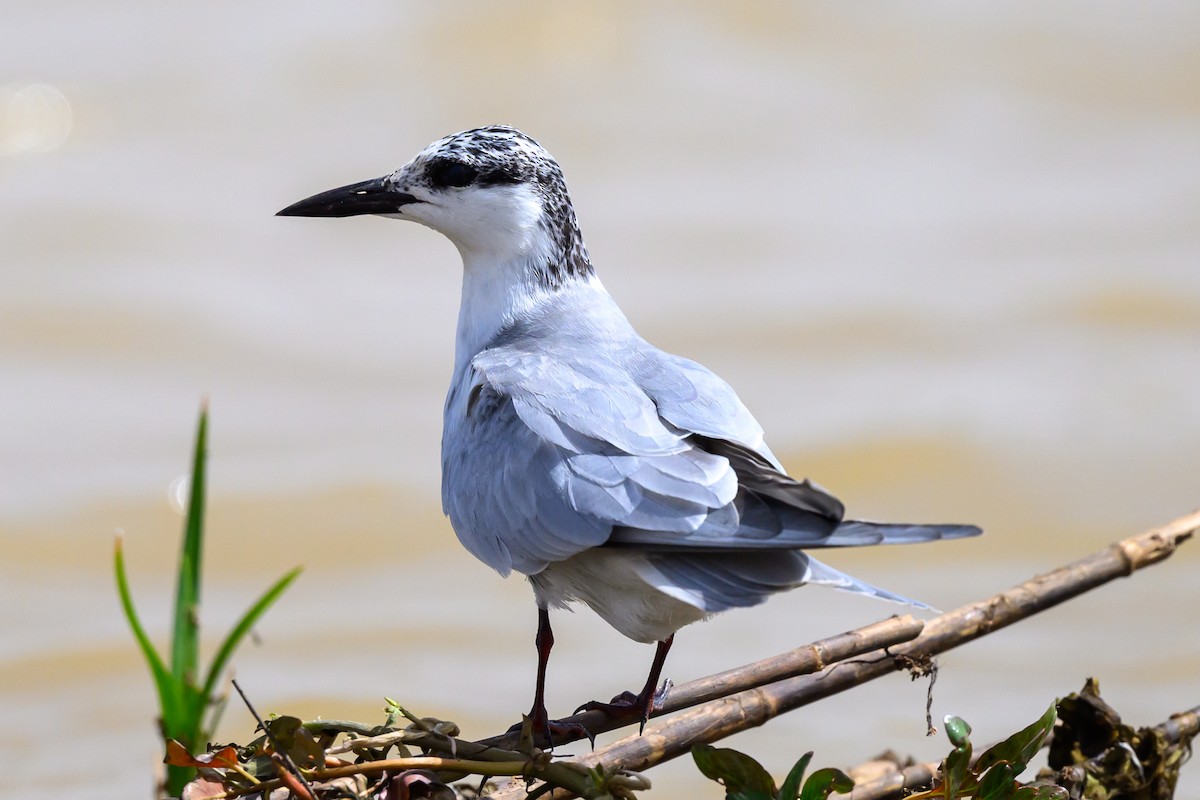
948	253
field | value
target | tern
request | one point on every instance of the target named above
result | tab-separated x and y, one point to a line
605	470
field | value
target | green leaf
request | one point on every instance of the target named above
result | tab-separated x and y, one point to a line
235	637
956	767
189	729
1022	746
957	730
825	782
998	783
185	651
791	785
183	702
169	698
740	774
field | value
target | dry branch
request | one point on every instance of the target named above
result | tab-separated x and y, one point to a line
887	780
667	738
1181	726
801	661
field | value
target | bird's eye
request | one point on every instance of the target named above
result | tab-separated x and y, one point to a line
452	173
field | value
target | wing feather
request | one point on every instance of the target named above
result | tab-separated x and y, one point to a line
553	454
559	452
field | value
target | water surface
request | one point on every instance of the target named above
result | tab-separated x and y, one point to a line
950	256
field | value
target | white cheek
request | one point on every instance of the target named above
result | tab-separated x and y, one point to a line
504	222
421	213
489	223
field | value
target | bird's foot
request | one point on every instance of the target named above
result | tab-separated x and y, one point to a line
628	706
539	727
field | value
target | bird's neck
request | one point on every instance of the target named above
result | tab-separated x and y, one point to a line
497	293
516	274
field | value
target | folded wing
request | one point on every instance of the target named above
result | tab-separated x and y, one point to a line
574	450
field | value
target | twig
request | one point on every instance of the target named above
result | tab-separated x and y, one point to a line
669	738
1184	725
561	774
288	763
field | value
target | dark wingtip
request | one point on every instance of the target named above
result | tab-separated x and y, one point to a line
961	531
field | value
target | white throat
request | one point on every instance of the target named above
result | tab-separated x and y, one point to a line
494	295
502	245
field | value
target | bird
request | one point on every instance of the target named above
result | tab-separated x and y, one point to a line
605	470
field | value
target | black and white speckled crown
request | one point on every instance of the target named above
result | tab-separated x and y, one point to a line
501	154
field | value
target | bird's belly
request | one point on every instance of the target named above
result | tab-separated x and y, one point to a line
613	582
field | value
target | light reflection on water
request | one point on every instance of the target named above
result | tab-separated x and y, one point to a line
949	260
34	118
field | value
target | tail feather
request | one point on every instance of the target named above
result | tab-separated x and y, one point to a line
859	533
826	575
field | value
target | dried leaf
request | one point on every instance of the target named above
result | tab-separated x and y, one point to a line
178	756
204	787
297	741
1087	727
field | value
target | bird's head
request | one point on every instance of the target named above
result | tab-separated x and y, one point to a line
494	192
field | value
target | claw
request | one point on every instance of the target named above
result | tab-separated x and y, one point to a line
538	724
660	697
628	706
622	701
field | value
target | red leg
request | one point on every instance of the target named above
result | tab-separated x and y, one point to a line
539	718
544	641
644	703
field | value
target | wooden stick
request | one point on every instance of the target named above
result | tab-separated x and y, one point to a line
1184	725
668	738
893	783
801	661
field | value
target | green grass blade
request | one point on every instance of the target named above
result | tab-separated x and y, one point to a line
243	627
168	688
185	635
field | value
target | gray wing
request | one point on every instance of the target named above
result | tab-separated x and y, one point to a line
558	448
501	490
773	509
563	451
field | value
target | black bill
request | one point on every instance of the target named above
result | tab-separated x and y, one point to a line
368	197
